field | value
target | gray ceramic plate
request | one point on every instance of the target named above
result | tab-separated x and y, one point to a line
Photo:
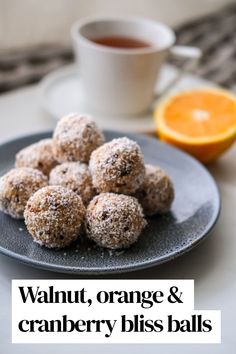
193	215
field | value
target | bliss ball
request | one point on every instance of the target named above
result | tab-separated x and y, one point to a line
114	221
117	166
75	137
157	191
54	216
16	187
75	176
38	156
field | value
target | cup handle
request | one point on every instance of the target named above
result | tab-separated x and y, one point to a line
191	56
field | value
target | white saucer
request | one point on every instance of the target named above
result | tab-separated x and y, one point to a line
61	93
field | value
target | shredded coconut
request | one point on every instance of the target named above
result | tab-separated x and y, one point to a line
75	137
75	176
114	221
16	187
54	216
157	192
117	166
38	156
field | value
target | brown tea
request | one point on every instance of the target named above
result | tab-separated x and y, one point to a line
121	42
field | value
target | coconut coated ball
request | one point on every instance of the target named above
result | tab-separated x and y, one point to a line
38	156
75	137
75	176
16	187
114	221
157	191
54	216
117	166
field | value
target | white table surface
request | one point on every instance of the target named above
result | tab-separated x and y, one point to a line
212	264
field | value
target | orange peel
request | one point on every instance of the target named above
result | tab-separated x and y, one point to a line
199	121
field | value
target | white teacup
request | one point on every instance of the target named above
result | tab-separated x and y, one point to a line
121	80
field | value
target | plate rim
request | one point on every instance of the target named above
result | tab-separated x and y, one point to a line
127	268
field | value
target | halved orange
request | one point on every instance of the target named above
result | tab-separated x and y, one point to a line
201	122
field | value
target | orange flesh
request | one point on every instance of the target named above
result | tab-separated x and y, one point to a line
200	114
